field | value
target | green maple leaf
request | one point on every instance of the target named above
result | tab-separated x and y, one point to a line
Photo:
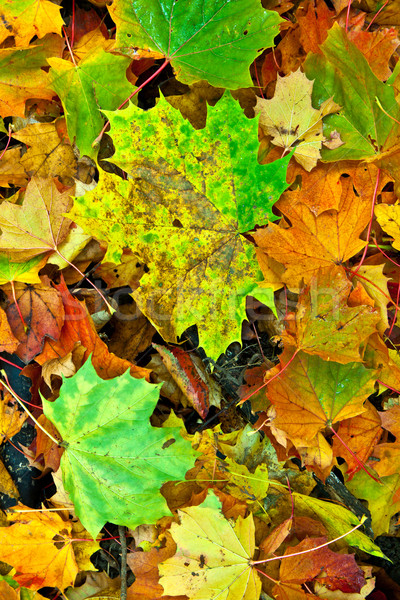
383	500
216	40
219	160
97	82
343	72
114	461
193	193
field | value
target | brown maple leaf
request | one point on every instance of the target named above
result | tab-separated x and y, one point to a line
42	311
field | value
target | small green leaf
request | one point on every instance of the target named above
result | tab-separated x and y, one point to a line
216	40
97	82
114	461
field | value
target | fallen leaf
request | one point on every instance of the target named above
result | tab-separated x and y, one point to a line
29	543
22	76
46	449
96	419
323	591
383	500
243	191
38	225
79	327
194	102
312	394
7	486
377	47
360	434
340	571
49	153
324	324
237	34
96	585
132	334
388	217
342	72
26	19
330	238
314	26
386	458
25	272
192	378
128	272
11	417
391	420
8	341
12	172
94	83
292	122
218	552
338	520
169	216
144	566
43	313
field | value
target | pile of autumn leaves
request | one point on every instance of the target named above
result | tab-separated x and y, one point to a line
335	335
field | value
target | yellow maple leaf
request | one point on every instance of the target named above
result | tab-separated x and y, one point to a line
291	120
213	557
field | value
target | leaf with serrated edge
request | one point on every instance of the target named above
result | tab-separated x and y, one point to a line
182	215
199	36
115	461
212	557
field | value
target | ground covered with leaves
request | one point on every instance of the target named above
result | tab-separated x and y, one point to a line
199	296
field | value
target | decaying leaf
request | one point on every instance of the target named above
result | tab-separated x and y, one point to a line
42	311
292	122
192	378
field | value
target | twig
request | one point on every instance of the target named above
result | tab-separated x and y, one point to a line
122	539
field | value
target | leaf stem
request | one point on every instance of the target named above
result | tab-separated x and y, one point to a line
110	308
376	14
380	246
123	572
386	113
25	326
388	386
378	176
358	461
269	380
259	562
8	142
14	395
164	64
